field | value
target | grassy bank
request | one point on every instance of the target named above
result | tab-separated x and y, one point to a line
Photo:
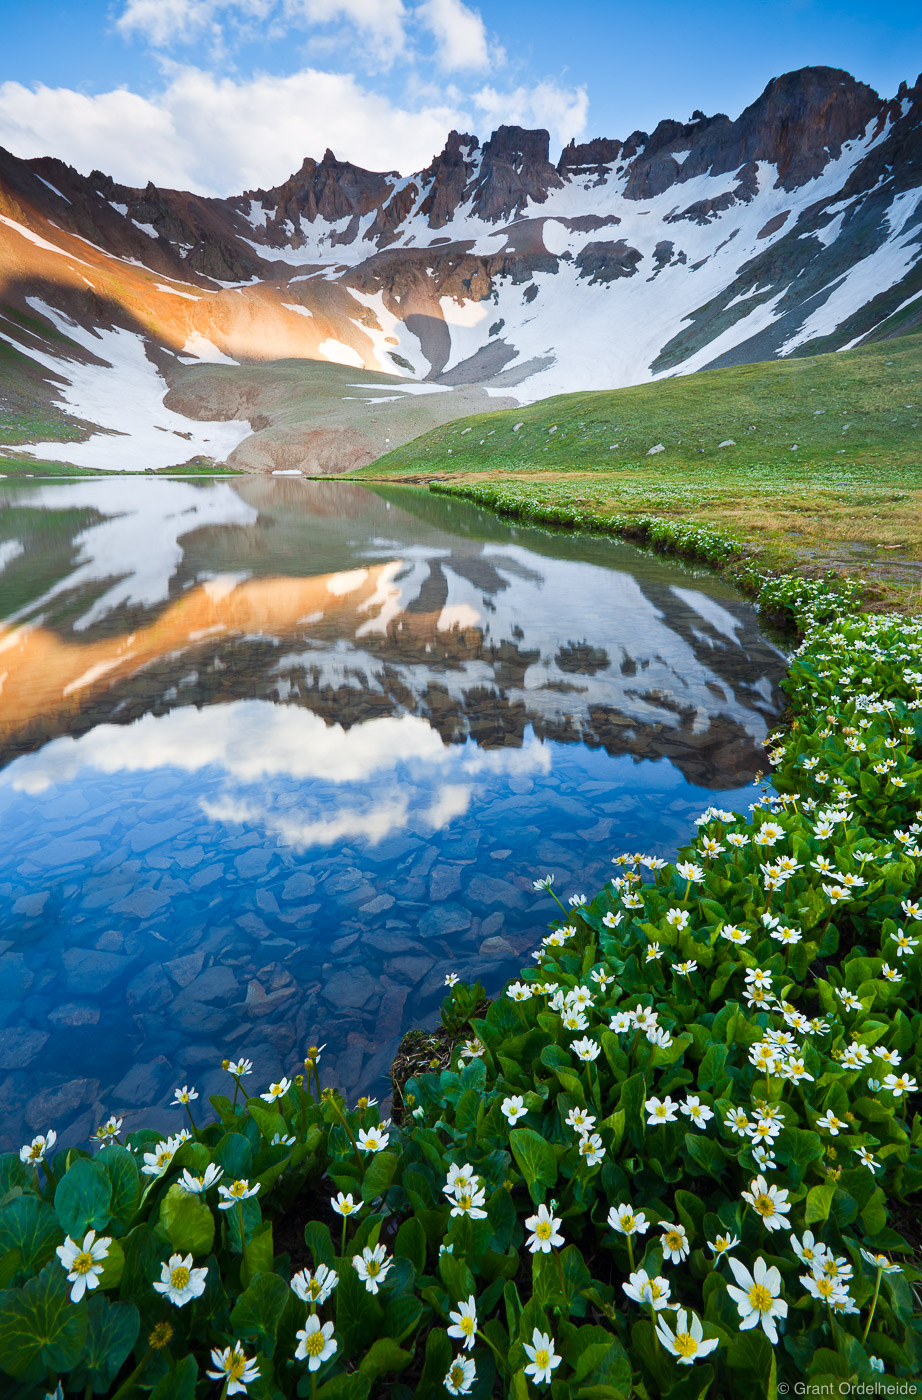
849	497
678	1158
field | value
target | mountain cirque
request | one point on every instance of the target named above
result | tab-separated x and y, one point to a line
315	324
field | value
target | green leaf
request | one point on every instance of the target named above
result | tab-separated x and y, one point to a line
235	1155
121	1168
112	1330
258	1310
188	1222
384	1356
13	1173
535	1159
178	1384
356	1312
353	1387
319	1241
259	1253
411	1244
82	1199
31	1227
402	1314
437	1361
466	1110
378	1175
40	1328
819	1203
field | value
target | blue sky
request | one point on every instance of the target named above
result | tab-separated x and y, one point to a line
218	95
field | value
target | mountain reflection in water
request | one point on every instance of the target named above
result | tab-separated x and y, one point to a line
276	755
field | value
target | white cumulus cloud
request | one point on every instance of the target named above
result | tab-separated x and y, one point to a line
459	32
222	135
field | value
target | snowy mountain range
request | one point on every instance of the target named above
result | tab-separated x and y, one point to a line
493	274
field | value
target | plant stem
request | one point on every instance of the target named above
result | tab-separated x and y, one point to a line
192	1122
342	1118
342	1248
499	1359
630	1253
867	1325
127	1386
244	1268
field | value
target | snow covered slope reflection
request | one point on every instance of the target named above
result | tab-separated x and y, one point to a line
276	756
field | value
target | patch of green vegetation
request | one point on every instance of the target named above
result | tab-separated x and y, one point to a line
849	497
45	329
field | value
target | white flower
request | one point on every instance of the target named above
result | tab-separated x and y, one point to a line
233	1367
866	1159
687	1342
769	1202
765	1129
156	1162
677	918
459	1179
238	1191
660	1111
734	934
34	1153
587	1049
880	1261
900	1084
452	979
737	1122
315	1287
690	872
238	1068
544	884
758	1297
877	1365
179	1282
658	1035
621	1022
542	1357
372	1266
698	1112
372	1140
808	1249
722	1244
344	1205
545	1229
580	1120
276	1091
316	1344
465	1323
612	920
463	1372
470	1203
182	1096
653	1292
197	1185
513	1108
826	1290
623	1219
519	991
675	1243
108	1131
590	1149
830	1123
83	1262
574	1020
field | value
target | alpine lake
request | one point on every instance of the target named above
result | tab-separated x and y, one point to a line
276	756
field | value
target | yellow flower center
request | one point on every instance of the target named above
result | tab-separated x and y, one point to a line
674	1240
179	1278
315	1288
826	1286
760	1298
467	1326
542	1359
654	1290
373	1268
314	1343
628	1222
83	1262
543	1229
464	1201
685	1344
457	1374
764	1205
164	1159
237	1366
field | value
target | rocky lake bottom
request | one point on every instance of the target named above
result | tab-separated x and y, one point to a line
277	756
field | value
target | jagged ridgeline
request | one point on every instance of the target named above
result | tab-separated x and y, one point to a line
493	274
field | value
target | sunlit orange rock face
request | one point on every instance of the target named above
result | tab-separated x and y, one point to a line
43	676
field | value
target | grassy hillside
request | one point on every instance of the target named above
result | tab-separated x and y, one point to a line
861	406
825	465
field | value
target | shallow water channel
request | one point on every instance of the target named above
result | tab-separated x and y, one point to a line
275	756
